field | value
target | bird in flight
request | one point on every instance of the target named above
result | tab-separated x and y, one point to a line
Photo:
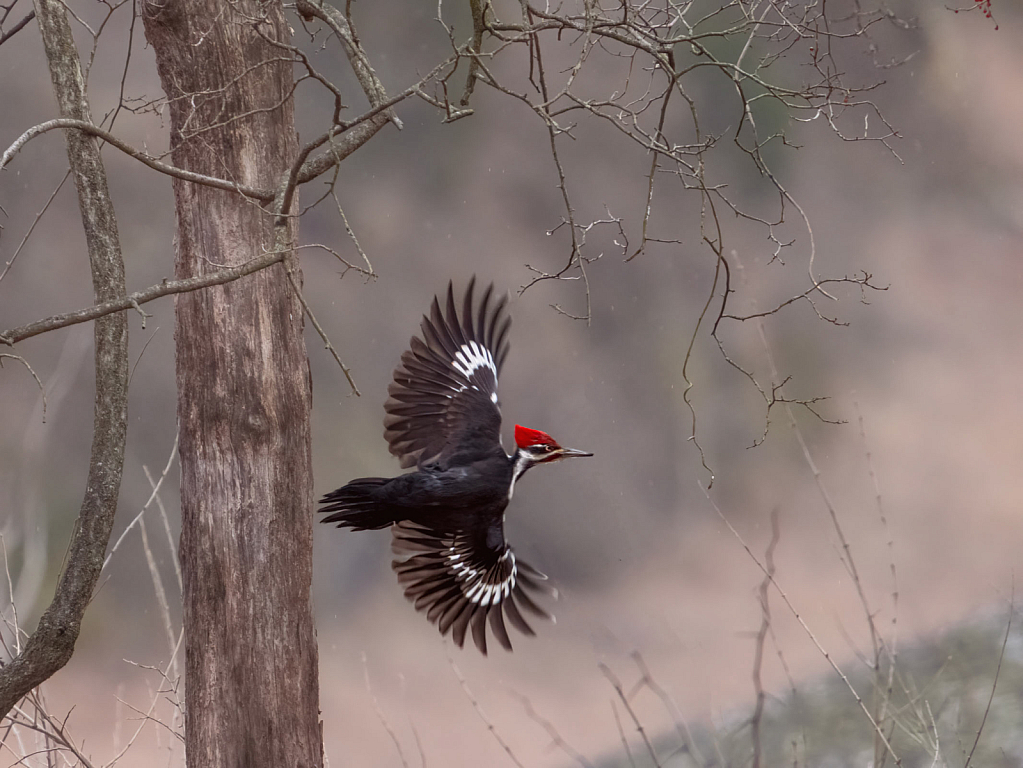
447	517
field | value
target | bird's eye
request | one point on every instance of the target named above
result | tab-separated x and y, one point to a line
543	448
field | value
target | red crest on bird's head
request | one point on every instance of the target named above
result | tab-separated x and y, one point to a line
525	437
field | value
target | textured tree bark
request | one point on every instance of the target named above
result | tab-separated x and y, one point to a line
244	395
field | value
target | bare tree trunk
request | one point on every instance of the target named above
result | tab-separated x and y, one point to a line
244	395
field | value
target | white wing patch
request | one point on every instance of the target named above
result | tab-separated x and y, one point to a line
461	583
472	356
475	588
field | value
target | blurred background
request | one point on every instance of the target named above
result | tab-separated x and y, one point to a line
923	472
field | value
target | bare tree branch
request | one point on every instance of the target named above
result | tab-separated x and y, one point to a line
17	27
51	645
357	57
166	288
360	130
87	126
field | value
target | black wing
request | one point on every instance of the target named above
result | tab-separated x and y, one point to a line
444	393
464	580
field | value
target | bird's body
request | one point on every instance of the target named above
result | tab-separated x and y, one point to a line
449	498
447	516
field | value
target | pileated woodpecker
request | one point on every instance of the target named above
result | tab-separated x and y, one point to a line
447	517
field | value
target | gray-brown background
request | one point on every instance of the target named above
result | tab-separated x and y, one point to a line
642	560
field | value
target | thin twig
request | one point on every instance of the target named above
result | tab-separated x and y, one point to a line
621	734
171	545
13	624
35	221
35	376
681	726
617	685
998	670
49	727
153	495
380	713
148	714
765	625
482	715
154	572
805	627
319	329
890	647
556	738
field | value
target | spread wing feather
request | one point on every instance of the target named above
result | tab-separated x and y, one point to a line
462	584
444	393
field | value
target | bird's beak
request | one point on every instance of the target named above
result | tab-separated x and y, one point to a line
567	452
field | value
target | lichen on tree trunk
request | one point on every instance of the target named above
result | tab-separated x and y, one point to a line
244	395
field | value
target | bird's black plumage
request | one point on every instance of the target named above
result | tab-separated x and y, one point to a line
447	516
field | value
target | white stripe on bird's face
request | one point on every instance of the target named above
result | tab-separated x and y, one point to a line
523	461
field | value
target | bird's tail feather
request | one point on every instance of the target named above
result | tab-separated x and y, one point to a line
355	506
